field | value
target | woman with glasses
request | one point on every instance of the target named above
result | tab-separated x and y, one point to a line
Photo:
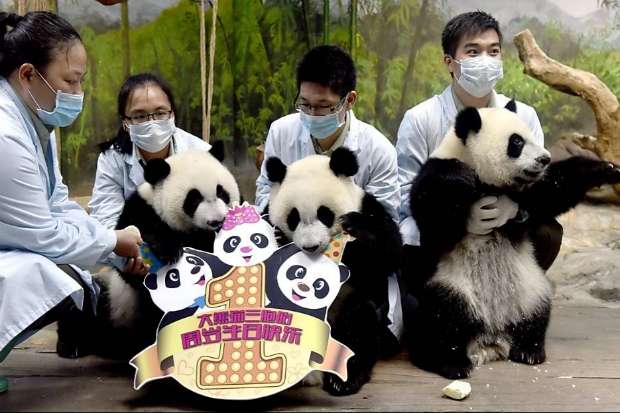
146	109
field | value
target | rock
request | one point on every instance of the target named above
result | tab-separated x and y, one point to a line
587	270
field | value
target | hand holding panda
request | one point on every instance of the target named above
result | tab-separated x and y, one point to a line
482	294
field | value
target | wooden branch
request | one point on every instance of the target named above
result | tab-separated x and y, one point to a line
577	82
580	83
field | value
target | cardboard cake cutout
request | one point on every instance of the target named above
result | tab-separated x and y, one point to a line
249	320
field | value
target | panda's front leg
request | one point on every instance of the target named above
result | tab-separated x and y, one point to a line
355	324
528	337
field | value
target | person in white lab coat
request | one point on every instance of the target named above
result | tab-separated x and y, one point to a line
472	54
146	109
323	122
44	236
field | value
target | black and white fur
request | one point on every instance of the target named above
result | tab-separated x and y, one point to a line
182	202
484	297
312	200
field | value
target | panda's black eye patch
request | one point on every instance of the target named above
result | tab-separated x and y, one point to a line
173	280
231	244
194	260
515	146
259	240
296	272
293	218
222	194
192	200
321	288
151	281
326	216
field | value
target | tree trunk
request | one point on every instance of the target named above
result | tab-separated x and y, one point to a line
125	39
577	82
326	21
306	12
353	30
416	43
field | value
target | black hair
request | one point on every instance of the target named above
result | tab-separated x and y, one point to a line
121	142
467	24
35	38
328	66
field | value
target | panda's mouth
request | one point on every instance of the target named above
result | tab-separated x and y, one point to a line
296	297
201	281
247	258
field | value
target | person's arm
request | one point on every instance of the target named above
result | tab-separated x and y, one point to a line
108	197
63	233
263	184
383	182
412	153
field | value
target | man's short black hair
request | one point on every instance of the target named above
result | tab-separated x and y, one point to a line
329	66
467	24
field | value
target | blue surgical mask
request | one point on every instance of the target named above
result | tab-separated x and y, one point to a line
68	108
321	127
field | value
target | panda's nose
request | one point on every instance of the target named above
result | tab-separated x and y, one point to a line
311	248
215	224
544	160
245	250
303	287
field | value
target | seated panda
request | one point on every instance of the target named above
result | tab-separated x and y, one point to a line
182	202
486	296
312	200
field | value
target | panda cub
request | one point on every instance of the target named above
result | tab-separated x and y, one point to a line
182	203
484	297
312	200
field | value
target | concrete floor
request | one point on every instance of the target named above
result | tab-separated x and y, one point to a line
582	374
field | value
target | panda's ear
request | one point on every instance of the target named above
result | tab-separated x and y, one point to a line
217	150
511	106
468	120
343	162
344	273
156	170
276	170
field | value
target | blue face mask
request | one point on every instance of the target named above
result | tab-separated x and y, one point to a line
68	108
321	127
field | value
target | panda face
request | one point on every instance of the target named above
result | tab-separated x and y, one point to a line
181	285
189	190
310	195
246	244
311	281
498	145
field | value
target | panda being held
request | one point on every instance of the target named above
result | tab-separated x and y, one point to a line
314	199
486	296
182	202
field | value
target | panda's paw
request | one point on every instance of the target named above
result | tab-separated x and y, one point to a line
456	371
313	379
356	225
333	385
528	357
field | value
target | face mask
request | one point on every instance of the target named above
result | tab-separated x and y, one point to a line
480	74
68	108
152	136
321	127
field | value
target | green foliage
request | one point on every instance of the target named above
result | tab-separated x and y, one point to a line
259	44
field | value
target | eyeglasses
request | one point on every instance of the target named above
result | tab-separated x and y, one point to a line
319	110
159	115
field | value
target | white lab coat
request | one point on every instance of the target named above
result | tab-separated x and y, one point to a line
377	175
39	226
422	130
119	175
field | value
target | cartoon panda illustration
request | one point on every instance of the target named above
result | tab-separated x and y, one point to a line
302	282
485	296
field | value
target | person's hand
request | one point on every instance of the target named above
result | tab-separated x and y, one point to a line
128	243
137	266
490	212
